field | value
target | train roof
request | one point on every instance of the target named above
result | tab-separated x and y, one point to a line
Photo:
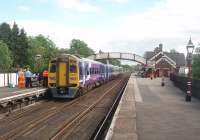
64	57
90	60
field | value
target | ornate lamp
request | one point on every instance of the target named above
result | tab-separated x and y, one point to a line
190	49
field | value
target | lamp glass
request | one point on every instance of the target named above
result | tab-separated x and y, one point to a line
190	49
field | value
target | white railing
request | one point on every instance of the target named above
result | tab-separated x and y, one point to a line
8	78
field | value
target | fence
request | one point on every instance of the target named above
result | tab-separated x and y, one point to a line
7	78
181	82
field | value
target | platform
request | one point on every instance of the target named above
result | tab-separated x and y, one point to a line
13	94
123	126
7	92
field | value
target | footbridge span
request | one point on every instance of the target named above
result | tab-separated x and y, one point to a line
122	56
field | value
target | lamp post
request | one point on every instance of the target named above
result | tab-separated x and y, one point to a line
190	49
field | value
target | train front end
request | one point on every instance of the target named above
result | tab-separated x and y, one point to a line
63	78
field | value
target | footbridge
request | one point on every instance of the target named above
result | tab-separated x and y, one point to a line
122	56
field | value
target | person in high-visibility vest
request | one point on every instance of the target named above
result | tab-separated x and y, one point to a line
45	77
21	79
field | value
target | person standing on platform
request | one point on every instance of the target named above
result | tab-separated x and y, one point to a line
21	79
28	76
45	78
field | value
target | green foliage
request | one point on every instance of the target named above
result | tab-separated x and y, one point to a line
196	64
128	68
17	42
115	62
80	48
41	50
5	33
21	49
5	59
63	51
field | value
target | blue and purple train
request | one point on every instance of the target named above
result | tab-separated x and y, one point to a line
70	76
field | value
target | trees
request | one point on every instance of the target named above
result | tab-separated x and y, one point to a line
19	46
128	68
17	43
196	64
44	47
80	48
5	33
5	59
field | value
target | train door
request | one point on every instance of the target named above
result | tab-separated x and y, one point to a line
73	73
87	72
81	73
62	74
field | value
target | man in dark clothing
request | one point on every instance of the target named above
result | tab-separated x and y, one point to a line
28	76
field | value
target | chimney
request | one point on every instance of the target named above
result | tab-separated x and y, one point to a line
160	47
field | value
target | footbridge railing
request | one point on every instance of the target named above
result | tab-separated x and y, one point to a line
122	56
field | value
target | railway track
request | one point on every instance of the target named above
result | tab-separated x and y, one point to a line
58	135
45	124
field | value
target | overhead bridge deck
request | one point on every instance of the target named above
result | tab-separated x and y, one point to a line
14	95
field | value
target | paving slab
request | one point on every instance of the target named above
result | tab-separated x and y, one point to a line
163	114
123	126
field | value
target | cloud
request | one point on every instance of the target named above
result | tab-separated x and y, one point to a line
77	5
62	34
23	8
169	22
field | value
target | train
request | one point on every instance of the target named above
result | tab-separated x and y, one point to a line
70	76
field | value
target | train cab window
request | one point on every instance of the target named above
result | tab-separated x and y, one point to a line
53	67
73	69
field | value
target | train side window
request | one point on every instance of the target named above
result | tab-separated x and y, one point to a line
91	72
88	73
81	70
53	67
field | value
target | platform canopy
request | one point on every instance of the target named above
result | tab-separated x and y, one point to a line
122	56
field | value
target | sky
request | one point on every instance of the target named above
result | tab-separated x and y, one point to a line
132	26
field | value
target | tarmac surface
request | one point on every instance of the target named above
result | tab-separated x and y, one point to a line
163	114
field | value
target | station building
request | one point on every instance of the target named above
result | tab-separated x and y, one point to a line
165	62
